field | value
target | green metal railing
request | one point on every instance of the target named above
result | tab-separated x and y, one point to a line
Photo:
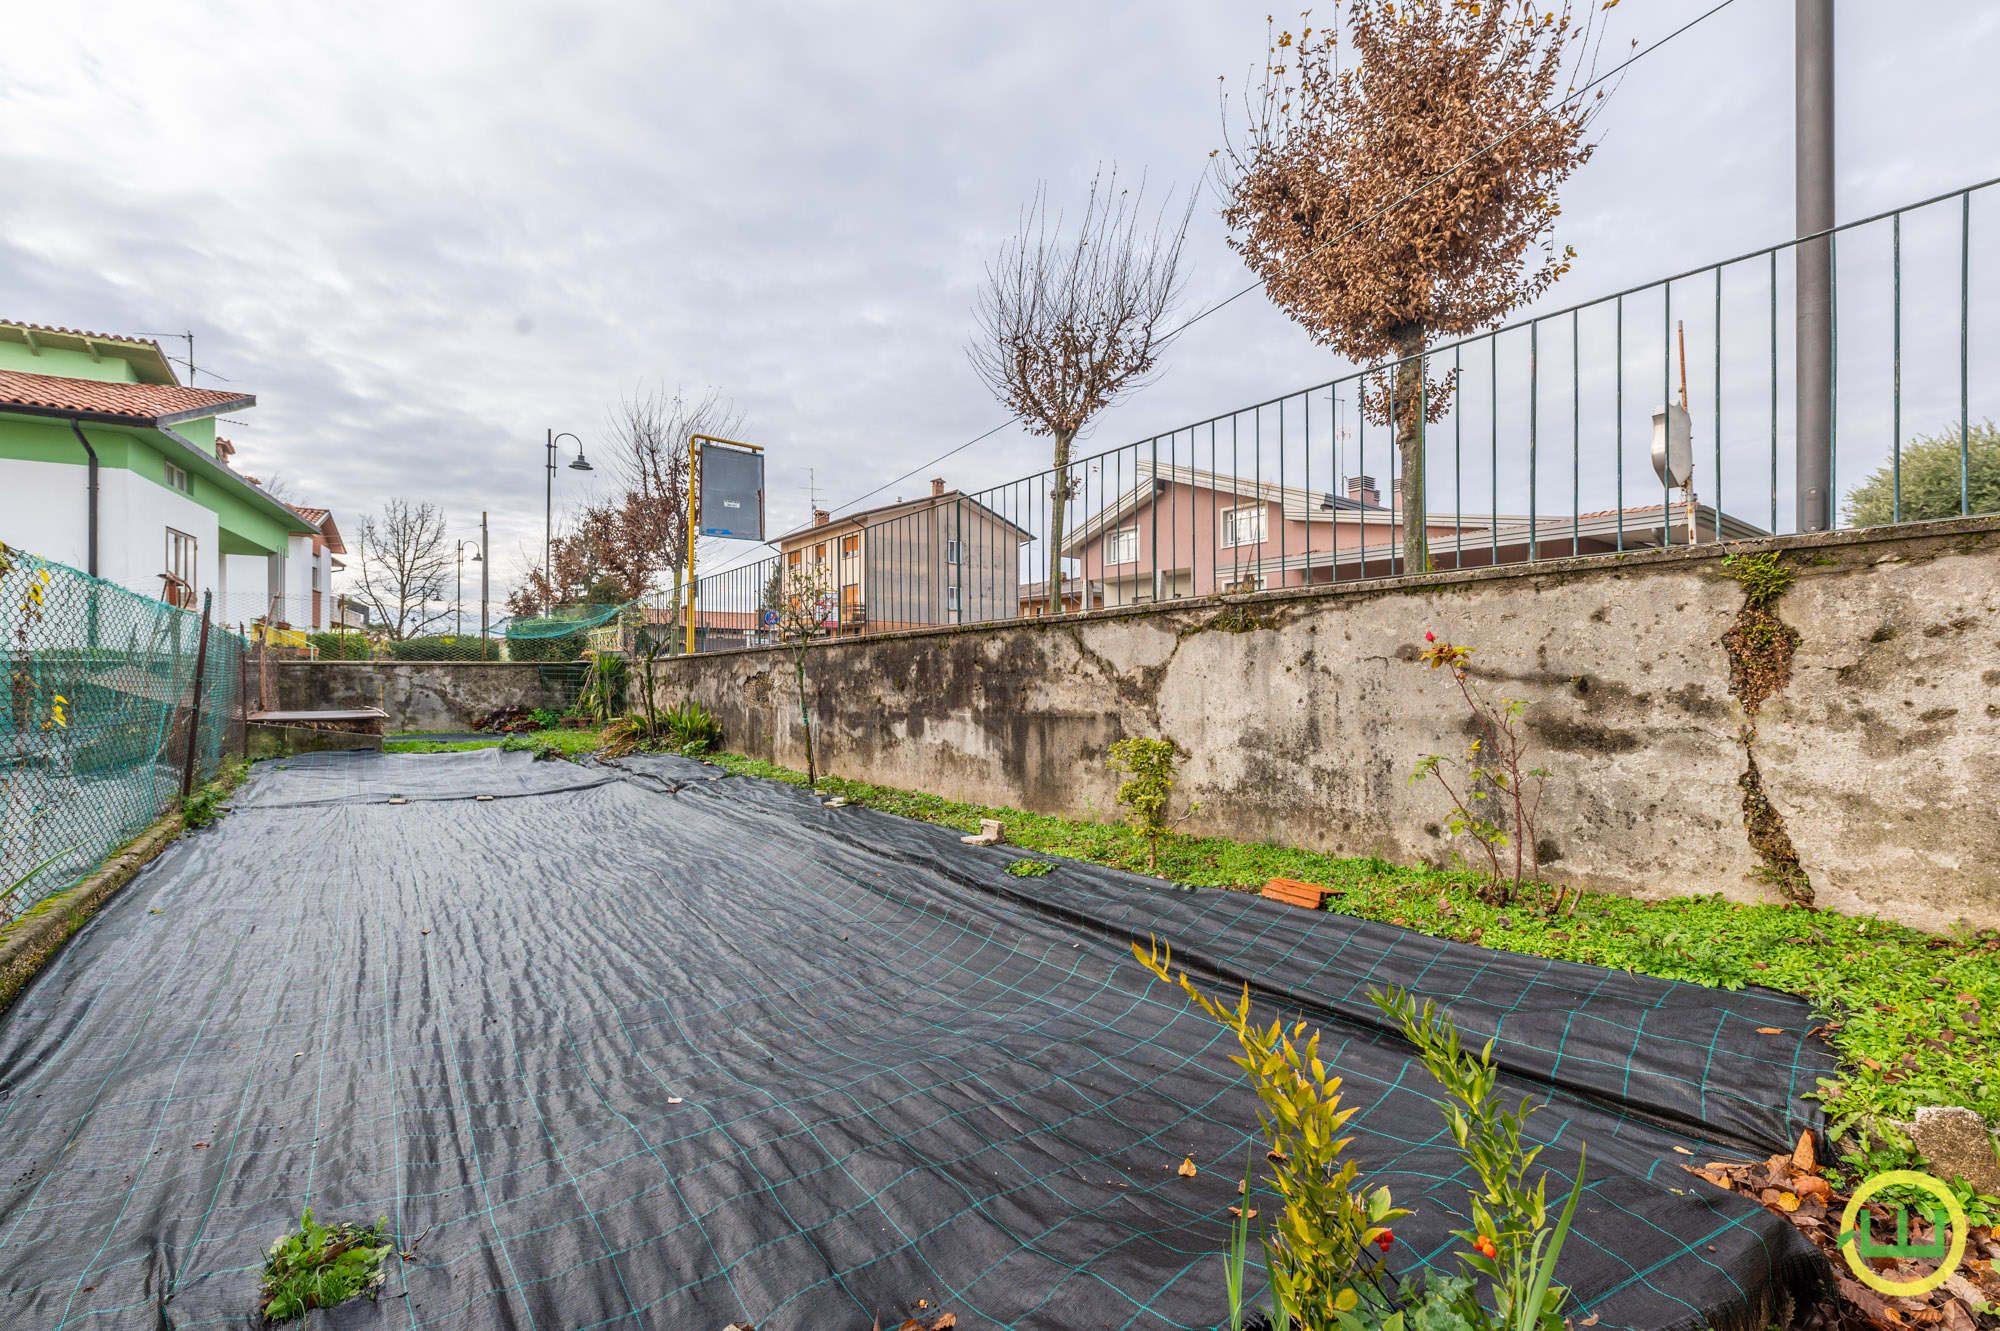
102	708
1542	450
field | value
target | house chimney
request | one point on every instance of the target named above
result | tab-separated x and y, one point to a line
937	486
1363	489
821	517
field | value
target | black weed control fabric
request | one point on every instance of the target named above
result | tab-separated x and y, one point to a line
641	1046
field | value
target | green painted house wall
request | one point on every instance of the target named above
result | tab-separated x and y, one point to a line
65	363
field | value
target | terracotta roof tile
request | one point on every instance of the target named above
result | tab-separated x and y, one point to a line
142	401
81	332
313	515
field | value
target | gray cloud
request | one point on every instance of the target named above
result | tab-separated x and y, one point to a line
359	210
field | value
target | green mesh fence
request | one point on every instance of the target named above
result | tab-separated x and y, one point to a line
100	710
567	634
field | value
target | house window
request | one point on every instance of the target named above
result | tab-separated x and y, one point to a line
315	579
819	553
850	545
954	552
1122	547
180	567
951	598
178	479
795	558
1243	526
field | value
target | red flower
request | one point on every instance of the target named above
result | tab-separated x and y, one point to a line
1384	1239
1430	637
1485	1245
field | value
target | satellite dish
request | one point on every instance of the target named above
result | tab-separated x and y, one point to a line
1673	447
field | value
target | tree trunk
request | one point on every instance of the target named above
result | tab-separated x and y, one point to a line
1409	413
805	716
1058	501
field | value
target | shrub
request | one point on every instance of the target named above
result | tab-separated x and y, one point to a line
1930	479
603	694
1318	1259
341	646
561	647
437	647
1150	765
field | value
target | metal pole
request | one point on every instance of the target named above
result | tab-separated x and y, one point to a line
694	480
485	562
549	522
1813	32
194	707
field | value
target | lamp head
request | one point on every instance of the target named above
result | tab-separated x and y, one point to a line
580	464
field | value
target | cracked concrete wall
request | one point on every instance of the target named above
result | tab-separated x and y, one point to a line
1304	711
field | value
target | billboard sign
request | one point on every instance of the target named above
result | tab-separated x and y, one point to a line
732	492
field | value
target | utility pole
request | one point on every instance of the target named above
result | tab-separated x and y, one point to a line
485	562
1813	192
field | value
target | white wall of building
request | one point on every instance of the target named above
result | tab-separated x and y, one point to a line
45	508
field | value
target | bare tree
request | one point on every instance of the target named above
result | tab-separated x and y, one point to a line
406	562
800	598
653	431
1393	200
1067	323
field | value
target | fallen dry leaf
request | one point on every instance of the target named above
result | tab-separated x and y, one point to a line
1802	1154
1788	1201
1237	1211
1683	1150
945	1323
1187	1169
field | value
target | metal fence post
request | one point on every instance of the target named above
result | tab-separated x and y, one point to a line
194	708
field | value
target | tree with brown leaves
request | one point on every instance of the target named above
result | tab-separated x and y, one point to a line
653	431
1066	323
1393	200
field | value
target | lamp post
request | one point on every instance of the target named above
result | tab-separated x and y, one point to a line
482	586
458	602
549	508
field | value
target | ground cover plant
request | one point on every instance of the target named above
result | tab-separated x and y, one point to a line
566	744
1912	1014
322	1265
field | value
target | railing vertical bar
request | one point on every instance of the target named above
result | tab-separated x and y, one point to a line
1618	418
1896	369
1493	419
1534	406
1964	347
1307	577
1833	379
1282	578
1718	403
1575	437
1666	413
1774	392
1457	460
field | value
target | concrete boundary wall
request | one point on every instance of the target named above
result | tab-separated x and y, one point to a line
1873	762
417	695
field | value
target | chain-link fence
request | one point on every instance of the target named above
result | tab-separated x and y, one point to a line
102	705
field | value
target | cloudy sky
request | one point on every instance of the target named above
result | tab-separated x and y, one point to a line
423	233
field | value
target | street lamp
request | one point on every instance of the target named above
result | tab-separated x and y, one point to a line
549	508
458	603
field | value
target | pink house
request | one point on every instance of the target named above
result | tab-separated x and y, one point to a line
1183	532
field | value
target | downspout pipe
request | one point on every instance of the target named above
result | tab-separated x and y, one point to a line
77	426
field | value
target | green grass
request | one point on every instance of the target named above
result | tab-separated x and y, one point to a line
1912	1014
433	746
555	743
